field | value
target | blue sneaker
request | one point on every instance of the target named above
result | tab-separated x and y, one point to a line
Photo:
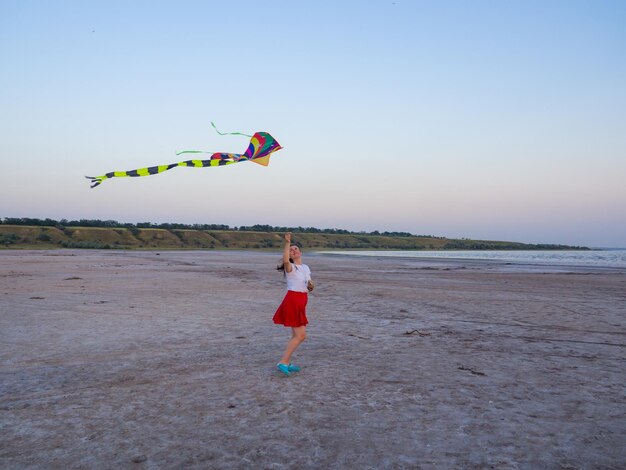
284	368
293	368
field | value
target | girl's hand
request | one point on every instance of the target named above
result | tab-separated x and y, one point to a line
310	286
288	237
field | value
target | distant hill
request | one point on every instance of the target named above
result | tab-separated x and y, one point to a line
147	238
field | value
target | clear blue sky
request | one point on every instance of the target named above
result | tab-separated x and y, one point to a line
482	119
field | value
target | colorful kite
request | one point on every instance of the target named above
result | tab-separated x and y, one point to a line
261	147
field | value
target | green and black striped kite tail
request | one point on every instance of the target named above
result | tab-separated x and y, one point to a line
262	145
153	170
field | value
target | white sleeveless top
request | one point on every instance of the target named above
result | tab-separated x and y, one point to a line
298	277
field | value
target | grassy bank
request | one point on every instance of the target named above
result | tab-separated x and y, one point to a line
37	237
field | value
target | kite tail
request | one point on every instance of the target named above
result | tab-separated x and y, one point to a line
217	159
152	170
96	180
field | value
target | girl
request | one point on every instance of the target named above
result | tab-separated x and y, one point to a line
292	311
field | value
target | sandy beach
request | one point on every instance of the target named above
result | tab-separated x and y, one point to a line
152	360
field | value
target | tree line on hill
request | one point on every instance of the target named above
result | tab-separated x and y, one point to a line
176	226
335	238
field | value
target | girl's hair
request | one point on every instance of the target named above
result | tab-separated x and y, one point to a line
281	265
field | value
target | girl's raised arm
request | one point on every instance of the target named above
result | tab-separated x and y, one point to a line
286	262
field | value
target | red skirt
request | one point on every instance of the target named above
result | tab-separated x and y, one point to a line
292	311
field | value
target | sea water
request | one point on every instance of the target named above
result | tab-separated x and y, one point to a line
610	258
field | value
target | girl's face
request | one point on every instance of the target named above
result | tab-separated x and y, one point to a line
294	252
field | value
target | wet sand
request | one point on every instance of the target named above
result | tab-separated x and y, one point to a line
166	360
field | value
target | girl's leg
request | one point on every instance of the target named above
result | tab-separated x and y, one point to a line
298	335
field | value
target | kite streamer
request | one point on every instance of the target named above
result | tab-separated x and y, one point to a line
228	133
261	147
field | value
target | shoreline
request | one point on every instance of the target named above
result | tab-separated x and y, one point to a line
536	268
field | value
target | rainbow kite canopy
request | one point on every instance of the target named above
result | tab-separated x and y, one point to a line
261	147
